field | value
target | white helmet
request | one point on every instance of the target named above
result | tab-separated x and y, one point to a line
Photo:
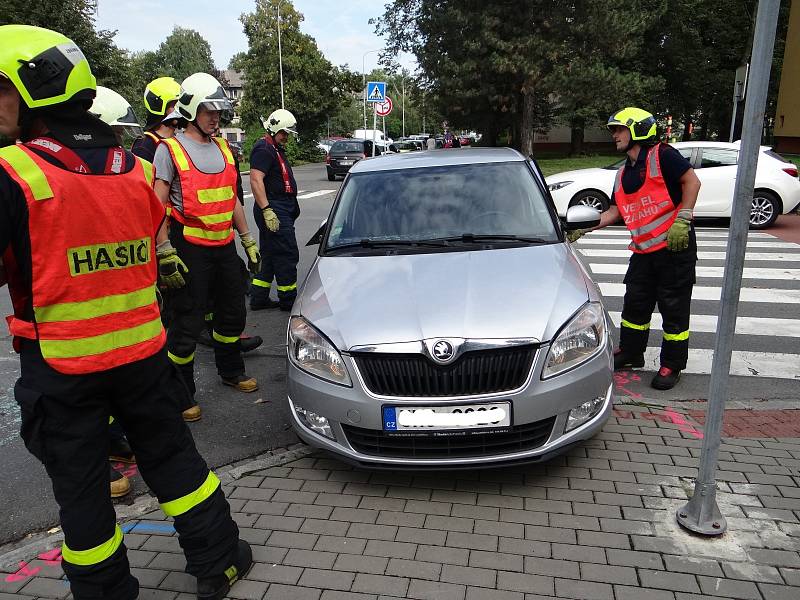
113	109
202	88
280	120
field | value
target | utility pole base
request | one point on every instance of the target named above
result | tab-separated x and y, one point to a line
701	515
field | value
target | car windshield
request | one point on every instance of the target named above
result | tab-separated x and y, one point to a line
348	147
463	202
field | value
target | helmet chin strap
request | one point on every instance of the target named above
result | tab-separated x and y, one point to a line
200	131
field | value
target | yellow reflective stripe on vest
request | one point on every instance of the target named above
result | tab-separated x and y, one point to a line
110	419
220	194
224	339
93	556
226	150
177	507
287	288
97	307
630	325
180	360
178	153
216	219
99	344
148	170
205	234
676	337
261	283
28	170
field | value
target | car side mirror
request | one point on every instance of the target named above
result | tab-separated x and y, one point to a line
317	237
582	217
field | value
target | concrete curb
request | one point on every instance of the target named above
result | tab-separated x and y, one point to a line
32	545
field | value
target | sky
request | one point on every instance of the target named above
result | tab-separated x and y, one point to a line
340	27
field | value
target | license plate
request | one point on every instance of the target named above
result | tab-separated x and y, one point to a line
447	418
346	163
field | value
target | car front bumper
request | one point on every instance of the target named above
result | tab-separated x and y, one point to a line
536	401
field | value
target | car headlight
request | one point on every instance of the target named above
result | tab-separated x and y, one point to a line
558	185
311	352
578	341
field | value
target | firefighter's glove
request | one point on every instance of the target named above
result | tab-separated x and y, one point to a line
171	268
576	234
678	235
253	255
271	219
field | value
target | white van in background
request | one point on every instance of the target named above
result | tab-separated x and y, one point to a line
366	134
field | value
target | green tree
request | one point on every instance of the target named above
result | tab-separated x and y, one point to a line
313	88
184	52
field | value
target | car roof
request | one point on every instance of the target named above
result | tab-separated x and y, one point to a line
438	158
706	144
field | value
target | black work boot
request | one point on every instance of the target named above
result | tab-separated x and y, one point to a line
120	451
262	304
665	379
249	343
218	586
623	359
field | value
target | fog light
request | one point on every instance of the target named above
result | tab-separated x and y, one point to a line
585	412
316	423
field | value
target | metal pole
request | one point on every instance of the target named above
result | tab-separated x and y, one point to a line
701	514
733	118
374	125
280	53
364	82
404	107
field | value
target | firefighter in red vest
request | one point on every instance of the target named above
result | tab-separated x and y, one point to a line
655	192
79	225
196	176
160	97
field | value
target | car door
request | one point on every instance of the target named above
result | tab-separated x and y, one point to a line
716	170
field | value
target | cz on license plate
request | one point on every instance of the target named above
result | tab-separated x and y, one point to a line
445	418
345	162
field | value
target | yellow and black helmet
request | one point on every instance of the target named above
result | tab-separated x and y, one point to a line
641	123
159	93
46	67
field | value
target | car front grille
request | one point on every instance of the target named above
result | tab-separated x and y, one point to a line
474	373
468	444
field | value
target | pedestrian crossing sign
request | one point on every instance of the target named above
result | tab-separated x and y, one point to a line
376	91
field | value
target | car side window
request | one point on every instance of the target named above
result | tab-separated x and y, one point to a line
718	157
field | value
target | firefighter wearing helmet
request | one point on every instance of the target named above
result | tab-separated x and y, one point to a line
196	176
160	97
655	192
80	229
275	209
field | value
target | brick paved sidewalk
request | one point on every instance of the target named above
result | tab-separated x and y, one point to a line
595	524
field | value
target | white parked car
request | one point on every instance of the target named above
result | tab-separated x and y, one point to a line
777	187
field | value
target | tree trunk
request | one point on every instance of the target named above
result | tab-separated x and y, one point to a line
577	125
528	122
704	120
490	133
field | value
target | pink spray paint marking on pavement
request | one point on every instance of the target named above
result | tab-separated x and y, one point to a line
683	424
52	557
623	378
24	572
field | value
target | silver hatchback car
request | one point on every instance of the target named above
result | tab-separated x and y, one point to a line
446	322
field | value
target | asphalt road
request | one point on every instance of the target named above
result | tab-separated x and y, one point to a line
234	425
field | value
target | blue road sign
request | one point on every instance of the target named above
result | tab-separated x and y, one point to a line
376	91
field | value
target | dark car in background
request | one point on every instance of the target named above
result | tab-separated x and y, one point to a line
345	153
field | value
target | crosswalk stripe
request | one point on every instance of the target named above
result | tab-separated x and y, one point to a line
750	364
748	273
771	256
701	233
770	296
596	241
315	194
744	325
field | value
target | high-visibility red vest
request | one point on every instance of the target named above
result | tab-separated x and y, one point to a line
93	288
208	198
649	211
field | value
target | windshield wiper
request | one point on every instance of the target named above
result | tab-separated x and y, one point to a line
471	238
368	243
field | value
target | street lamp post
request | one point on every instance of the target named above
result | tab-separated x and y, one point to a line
403	87
280	53
364	82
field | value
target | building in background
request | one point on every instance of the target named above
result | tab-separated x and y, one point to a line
232	82
787	115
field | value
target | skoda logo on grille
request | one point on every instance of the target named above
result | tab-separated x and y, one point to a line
443	351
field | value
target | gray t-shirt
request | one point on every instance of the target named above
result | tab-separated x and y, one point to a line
207	158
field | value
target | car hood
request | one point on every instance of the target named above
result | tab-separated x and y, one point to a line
581	175
526	292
